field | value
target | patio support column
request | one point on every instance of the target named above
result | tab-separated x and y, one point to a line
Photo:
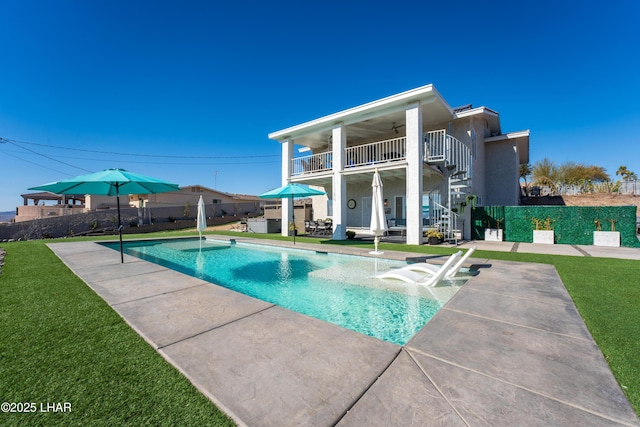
339	187
287	204
415	154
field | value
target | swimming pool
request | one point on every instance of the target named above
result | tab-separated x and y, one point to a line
336	288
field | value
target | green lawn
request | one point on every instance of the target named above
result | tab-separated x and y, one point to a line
60	342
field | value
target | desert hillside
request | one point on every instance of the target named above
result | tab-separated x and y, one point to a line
604	199
598	199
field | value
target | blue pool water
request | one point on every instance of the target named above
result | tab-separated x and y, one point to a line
340	289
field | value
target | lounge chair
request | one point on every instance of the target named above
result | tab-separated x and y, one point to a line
415	277
424	267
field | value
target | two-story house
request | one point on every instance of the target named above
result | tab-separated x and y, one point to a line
435	162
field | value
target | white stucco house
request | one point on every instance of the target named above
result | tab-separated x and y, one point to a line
435	161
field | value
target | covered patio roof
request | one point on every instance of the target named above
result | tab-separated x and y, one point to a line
372	121
382	119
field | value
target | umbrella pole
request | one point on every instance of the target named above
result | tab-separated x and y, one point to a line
293	217
119	224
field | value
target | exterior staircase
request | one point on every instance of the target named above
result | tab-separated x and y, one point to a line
447	203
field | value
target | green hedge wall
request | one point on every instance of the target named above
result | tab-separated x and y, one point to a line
571	224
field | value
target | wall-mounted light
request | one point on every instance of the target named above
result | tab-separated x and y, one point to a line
386	202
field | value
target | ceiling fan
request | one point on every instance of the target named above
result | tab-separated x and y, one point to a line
395	127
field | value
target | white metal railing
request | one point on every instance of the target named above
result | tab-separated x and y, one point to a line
441	147
443	219
390	150
435	146
313	163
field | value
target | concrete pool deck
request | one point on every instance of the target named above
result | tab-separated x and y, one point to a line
508	349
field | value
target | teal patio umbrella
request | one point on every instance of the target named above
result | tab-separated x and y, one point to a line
110	182
291	191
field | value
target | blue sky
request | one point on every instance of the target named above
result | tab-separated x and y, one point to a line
86	86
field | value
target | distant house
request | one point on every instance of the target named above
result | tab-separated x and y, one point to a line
218	203
434	160
47	205
231	204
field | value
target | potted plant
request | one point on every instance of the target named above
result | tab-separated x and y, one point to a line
494	234
434	237
606	238
350	234
292	229
543	231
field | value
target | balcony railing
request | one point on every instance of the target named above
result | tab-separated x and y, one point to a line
441	147
438	147
313	163
390	150
435	145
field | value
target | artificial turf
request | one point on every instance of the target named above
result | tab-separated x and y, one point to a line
59	342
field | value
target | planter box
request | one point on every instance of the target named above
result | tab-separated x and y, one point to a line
493	234
543	236
434	241
606	238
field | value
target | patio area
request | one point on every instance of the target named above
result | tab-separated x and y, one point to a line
508	349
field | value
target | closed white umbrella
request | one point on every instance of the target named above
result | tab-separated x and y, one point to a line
201	222
378	220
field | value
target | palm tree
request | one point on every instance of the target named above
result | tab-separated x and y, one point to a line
626	174
525	171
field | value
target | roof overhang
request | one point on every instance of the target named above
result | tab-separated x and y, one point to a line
521	140
492	117
372	120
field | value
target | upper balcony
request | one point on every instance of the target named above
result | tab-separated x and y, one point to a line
438	148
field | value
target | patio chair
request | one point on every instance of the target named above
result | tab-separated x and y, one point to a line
321	228
328	226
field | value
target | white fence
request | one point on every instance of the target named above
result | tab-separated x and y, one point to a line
622	187
630	187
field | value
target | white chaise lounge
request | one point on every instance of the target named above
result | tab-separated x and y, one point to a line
426	268
415	277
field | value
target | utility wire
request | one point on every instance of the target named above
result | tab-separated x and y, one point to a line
15	142
210	163
33	163
45	156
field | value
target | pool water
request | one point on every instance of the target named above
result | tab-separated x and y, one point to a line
340	289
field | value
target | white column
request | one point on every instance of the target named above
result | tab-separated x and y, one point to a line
339	187
415	154
287	204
